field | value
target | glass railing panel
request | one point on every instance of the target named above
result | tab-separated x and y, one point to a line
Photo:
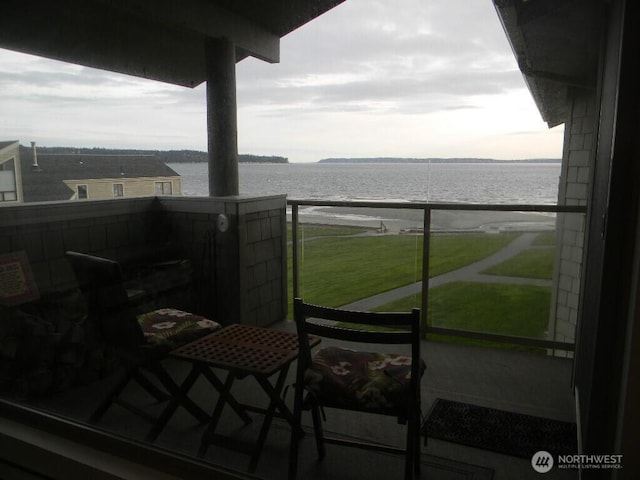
498	275
492	272
358	257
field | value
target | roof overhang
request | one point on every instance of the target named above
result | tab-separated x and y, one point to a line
557	46
157	39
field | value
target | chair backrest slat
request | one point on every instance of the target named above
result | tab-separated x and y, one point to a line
100	280
354	326
381	319
355	334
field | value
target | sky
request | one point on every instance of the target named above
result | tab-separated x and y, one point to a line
370	78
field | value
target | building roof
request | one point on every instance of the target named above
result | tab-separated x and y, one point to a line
45	182
557	46
6	144
126	36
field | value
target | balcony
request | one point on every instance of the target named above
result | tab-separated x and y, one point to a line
533	378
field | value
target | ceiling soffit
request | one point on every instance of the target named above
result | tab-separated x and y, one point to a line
557	46
157	39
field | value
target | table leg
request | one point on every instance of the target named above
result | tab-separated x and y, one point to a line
170	409
220	387
275	401
208	435
178	394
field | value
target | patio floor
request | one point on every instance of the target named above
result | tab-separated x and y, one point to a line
509	380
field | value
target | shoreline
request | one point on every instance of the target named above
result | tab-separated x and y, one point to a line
443	221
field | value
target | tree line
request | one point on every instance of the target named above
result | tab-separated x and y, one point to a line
166	156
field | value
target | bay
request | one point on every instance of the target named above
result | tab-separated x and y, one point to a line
491	183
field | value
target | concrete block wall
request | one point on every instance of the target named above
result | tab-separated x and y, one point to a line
574	188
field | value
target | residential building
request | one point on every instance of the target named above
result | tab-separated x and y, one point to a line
26	176
55	177
10	173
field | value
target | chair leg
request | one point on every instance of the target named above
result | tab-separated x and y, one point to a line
175	391
410	452
417	413
112	395
169	410
154	391
417	427
296	426
417	446
318	431
412	459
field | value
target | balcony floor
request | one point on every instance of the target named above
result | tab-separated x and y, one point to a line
504	379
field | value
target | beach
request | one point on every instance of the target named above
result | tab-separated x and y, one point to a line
445	221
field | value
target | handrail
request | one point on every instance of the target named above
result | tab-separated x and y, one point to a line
499	207
427	208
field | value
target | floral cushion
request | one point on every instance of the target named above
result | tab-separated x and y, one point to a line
361	380
170	327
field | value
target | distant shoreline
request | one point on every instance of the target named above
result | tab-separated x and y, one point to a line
196	156
166	156
436	160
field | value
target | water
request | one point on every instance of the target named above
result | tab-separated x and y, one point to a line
491	183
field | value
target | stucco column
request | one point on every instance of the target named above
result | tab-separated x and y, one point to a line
222	122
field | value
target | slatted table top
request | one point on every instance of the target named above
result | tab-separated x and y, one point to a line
244	348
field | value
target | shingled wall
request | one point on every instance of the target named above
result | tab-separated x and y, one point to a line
574	188
247	263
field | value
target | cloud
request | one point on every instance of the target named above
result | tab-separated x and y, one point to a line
389	77
385	56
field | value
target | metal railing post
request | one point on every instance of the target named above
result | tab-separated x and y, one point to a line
294	249
424	309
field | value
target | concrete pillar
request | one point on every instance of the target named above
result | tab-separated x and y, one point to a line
222	122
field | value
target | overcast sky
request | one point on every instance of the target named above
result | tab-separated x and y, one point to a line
402	78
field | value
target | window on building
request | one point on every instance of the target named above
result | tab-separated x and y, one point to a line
83	192
8	190
164	188
118	190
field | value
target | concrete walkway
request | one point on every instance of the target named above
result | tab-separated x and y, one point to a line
469	273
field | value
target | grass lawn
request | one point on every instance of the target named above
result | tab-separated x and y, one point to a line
547	239
530	263
520	310
337	270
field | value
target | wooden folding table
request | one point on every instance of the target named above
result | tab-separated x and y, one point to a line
243	351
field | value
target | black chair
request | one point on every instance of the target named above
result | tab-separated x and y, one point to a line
365	381
139	340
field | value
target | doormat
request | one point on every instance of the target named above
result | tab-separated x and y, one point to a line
498	430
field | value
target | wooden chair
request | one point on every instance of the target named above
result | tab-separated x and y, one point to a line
366	381
140	341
